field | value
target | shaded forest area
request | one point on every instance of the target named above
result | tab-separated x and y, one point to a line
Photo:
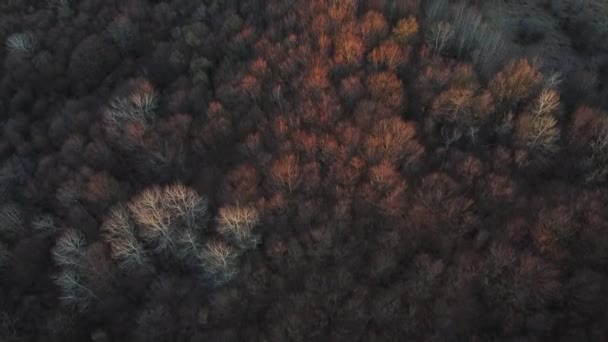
281	170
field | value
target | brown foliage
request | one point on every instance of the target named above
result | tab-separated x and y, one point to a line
372	27
470	169
388	55
348	50
518	284
342	10
555	232
516	83
386	88
285	173
102	190
240	185
317	77
405	30
394	140
385	189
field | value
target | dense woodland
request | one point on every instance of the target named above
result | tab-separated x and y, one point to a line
281	170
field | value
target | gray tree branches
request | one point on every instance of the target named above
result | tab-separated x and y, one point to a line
22	43
139	107
119	230
164	213
459	30
11	220
68	254
172	222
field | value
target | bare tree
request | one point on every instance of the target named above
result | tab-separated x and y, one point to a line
163	213
189	246
155	219
539	127
598	160
69	253
439	35
219	260
467	27
187	205
139	107
73	292
237	223
547	103
119	232
44	223
23	44
435	9
450	135
540	133
490	47
285	173
69	249
552	80
11	220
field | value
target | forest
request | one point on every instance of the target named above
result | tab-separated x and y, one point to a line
303	170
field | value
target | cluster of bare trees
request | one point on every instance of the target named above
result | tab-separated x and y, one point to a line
460	31
172	222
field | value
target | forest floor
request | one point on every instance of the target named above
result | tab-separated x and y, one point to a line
549	19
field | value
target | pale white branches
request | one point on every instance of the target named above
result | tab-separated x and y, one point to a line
69	249
546	104
73	293
171	222
462	34
163	212
120	234
139	107
219	260
44	223
543	134
189	246
552	80
468	26
187	205
237	223
439	36
23	44
68	253
538	127
11	220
